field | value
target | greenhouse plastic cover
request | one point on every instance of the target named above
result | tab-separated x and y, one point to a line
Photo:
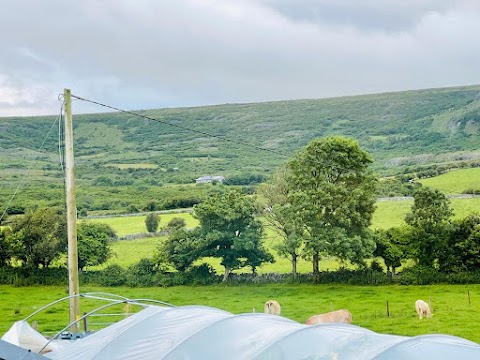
23	335
198	332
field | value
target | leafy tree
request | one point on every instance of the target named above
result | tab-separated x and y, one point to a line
429	221
94	243
332	191
229	231
6	249
151	206
39	237
392	246
176	223
180	250
280	216
463	253
254	251
151	222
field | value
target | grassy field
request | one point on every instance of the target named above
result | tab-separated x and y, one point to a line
388	214
127	225
453	313
128	252
455	181
392	213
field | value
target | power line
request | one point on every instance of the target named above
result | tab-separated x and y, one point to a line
24	177
332	166
177	126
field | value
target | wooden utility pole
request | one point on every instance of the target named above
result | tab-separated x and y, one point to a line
73	287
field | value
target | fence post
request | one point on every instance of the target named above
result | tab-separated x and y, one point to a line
388	310
85	323
468	293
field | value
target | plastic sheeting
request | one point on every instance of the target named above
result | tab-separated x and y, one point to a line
23	335
197	332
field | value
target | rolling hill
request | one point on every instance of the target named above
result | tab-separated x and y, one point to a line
120	153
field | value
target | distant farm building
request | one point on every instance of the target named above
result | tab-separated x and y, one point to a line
209	179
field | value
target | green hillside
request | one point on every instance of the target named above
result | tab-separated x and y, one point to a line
120	157
455	181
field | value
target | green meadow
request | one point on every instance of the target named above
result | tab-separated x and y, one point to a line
392	212
454	181
127	225
453	314
127	252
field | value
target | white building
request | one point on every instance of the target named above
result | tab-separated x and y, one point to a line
209	178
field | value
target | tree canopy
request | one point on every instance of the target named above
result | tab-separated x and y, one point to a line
229	231
94	243
39	237
392	246
332	191
151	222
462	252
429	220
280	216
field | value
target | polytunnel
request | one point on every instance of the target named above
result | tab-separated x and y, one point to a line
200	332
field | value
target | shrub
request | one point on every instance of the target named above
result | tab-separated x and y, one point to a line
151	222
113	275
203	274
176	223
142	273
420	275
471	191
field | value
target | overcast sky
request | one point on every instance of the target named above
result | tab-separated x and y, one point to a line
143	54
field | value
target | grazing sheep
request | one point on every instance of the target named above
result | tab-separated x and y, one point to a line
338	316
422	309
272	307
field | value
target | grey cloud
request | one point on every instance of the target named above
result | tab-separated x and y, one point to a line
149	54
367	15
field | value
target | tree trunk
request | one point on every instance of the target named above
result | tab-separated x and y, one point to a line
226	273
294	265
393	271
315	260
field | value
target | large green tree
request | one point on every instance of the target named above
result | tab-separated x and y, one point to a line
6	249
392	246
94	243
429	220
39	237
280	216
463	249
180	250
332	191
229	231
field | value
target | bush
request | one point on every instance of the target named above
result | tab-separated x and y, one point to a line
353	277
176	223
203	274
471	191
142	273
151	222
27	277
420	275
113	275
